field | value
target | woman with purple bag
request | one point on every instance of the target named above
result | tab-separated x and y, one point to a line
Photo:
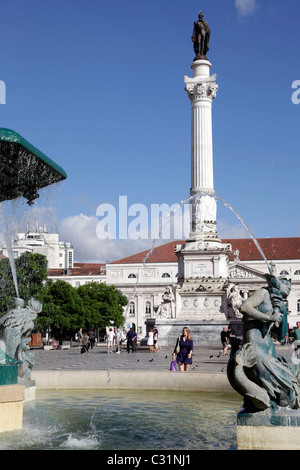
185	347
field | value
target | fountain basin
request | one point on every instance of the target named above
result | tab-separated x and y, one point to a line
23	168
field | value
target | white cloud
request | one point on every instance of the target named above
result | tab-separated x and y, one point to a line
227	231
245	7
80	231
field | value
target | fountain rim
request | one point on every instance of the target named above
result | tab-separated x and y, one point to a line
8	135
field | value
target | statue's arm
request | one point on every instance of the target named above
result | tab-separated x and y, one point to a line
249	307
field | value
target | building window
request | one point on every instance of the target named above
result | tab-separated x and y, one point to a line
297	273
298	306
148	309
77	284
131	309
166	275
284	273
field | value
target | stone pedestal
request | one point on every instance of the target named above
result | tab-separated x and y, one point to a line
204	333
202	282
269	430
11	407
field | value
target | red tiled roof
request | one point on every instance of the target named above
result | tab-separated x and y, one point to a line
79	269
273	249
161	254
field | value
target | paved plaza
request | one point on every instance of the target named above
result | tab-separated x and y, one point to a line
205	359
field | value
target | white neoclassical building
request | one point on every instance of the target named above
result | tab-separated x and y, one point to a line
59	254
152	287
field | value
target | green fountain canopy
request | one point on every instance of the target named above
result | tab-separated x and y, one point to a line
24	169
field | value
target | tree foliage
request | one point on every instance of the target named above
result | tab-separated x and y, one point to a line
65	308
102	304
31	272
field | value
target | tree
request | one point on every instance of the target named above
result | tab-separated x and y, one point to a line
31	272
63	310
102	304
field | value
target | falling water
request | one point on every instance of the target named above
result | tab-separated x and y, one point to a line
9	230
16	215
163	226
227	204
172	214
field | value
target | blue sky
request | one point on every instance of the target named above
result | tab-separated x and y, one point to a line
98	87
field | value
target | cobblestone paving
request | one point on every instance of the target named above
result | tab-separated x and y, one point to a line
204	359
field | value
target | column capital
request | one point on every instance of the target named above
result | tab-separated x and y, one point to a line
202	90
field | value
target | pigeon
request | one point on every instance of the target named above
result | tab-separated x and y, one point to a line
166	357
211	357
151	360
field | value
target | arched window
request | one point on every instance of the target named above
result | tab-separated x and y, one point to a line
132	276
148	309
284	273
298	306
297	273
131	309
166	275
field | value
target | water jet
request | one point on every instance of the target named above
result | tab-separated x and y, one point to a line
24	170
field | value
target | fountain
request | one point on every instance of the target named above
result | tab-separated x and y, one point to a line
269	383
24	170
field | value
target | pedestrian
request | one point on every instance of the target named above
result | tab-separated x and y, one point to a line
110	340
155	339
224	341
85	343
92	338
150	340
119	341
297	332
185	343
129	339
134	341
53	343
78	337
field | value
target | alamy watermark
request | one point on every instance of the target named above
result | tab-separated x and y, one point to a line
296	93
161	221
2	92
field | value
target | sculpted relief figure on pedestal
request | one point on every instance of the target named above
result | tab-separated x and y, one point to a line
265	380
167	308
204	210
201	36
234	301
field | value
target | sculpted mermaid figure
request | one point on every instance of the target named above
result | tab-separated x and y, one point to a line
255	371
15	332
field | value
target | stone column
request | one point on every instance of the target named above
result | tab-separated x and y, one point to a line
202	89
